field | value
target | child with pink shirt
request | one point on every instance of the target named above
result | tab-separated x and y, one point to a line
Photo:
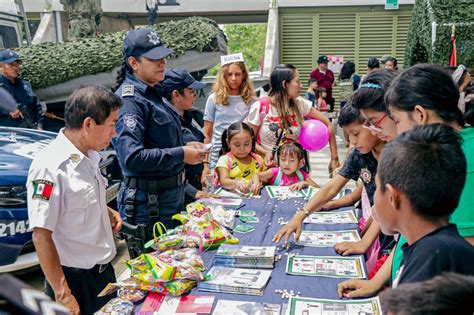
292	170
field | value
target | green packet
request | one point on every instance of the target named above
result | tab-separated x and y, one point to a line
249	219
244	229
245	213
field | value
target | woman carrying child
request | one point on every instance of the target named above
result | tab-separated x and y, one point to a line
292	170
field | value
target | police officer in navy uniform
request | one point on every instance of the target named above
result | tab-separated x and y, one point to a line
149	142
29	112
179	89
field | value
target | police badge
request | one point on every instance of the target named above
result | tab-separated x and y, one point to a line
130	121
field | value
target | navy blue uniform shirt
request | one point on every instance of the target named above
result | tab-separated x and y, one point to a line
22	92
191	132
149	140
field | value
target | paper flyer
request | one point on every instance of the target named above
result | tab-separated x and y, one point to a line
226	307
326	266
331	217
284	192
230	194
327	238
310	306
225	201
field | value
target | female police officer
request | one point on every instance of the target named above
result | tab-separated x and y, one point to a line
179	88
149	142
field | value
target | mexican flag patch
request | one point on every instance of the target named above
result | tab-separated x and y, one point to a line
43	189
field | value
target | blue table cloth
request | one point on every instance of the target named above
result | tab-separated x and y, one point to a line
269	211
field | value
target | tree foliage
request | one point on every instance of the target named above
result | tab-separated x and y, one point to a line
50	64
419	48
248	39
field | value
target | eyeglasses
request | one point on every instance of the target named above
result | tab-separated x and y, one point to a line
375	127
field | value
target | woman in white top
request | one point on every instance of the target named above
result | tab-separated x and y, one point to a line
230	103
284	112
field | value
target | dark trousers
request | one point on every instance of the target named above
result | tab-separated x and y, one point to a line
85	285
168	202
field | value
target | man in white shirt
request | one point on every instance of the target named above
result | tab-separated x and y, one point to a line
72	225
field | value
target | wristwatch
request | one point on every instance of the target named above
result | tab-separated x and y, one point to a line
306	212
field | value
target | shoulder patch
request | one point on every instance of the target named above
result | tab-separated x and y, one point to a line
42	189
128	90
130	121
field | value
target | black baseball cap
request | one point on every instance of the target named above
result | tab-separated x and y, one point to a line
144	42
8	56
176	79
323	59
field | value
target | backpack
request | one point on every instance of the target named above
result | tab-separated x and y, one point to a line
280	175
346	88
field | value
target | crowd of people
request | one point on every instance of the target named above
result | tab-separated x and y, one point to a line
410	144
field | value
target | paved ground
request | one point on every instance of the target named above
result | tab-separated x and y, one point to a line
319	172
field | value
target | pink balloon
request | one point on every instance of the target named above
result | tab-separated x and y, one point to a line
314	135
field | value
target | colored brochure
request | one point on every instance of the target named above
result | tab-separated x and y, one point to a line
326	266
310	306
284	192
246	251
225	201
235	280
226	307
157	303
327	238
331	217
242	256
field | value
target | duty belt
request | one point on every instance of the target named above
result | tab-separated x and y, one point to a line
154	185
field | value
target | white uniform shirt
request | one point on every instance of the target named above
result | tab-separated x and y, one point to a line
66	195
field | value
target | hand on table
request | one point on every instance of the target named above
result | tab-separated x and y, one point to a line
204	194
298	186
356	288
255	186
294	226
350	248
242	186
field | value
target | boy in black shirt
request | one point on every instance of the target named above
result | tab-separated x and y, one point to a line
362	162
420	178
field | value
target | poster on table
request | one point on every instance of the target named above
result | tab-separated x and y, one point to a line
326	266
310	306
331	217
327	238
284	192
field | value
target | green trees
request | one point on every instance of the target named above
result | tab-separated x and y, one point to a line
419	48
248	39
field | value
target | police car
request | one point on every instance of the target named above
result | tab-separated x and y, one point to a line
18	147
